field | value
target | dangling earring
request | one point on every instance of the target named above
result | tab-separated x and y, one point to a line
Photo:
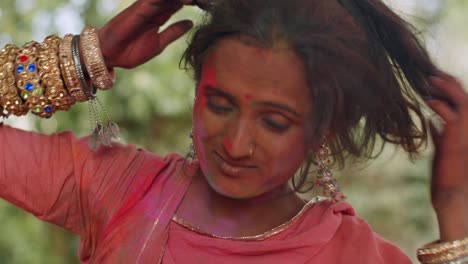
325	177
192	156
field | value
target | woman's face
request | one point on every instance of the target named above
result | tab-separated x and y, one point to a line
250	118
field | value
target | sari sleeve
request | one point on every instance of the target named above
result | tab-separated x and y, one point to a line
60	180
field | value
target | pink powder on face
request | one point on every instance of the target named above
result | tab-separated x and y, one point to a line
208	78
227	143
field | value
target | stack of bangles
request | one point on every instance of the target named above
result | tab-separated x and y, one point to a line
454	252
50	76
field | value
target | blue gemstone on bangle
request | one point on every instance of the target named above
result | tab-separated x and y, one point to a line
32	67
29	86
20	69
48	109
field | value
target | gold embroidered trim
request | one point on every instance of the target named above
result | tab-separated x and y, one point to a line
259	237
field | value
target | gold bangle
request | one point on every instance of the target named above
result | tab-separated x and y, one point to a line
435	252
28	81
10	101
50	75
101	77
67	65
449	257
445	257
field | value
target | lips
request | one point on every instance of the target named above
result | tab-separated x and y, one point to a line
230	169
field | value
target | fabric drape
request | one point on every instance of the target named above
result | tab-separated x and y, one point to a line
121	200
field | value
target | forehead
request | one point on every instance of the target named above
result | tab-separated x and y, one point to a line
271	74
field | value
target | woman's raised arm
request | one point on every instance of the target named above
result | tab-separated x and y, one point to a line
449	185
132	37
57	177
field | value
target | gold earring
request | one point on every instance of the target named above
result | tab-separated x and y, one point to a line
192	155
325	177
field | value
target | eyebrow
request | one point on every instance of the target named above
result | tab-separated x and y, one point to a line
221	92
263	103
280	106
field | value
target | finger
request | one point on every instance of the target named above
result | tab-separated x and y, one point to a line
155	14
136	21
436	131
446	76
452	88
151	43
173	32
451	138
448	115
165	12
143	15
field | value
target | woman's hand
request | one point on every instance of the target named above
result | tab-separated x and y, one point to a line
449	190
133	38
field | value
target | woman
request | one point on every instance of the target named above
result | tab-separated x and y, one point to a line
279	84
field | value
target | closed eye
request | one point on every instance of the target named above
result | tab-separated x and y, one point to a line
276	123
219	104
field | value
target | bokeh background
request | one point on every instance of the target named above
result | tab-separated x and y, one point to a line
152	105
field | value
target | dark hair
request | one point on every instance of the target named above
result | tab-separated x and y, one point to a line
365	67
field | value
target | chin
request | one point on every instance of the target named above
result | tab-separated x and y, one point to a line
235	189
229	188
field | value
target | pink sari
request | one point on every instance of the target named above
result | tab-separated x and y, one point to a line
323	233
121	201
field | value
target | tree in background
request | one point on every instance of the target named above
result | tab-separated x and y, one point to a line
152	106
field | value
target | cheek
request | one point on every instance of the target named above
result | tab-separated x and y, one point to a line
288	161
227	143
208	132
207	125
200	130
286	157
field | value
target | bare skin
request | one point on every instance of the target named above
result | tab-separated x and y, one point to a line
449	185
250	121
132	38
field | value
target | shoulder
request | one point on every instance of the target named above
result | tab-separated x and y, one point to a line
356	237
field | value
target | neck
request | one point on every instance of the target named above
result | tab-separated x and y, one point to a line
226	216
231	207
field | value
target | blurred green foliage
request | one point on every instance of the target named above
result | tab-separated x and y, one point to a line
152	105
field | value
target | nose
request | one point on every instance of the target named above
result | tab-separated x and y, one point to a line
239	141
